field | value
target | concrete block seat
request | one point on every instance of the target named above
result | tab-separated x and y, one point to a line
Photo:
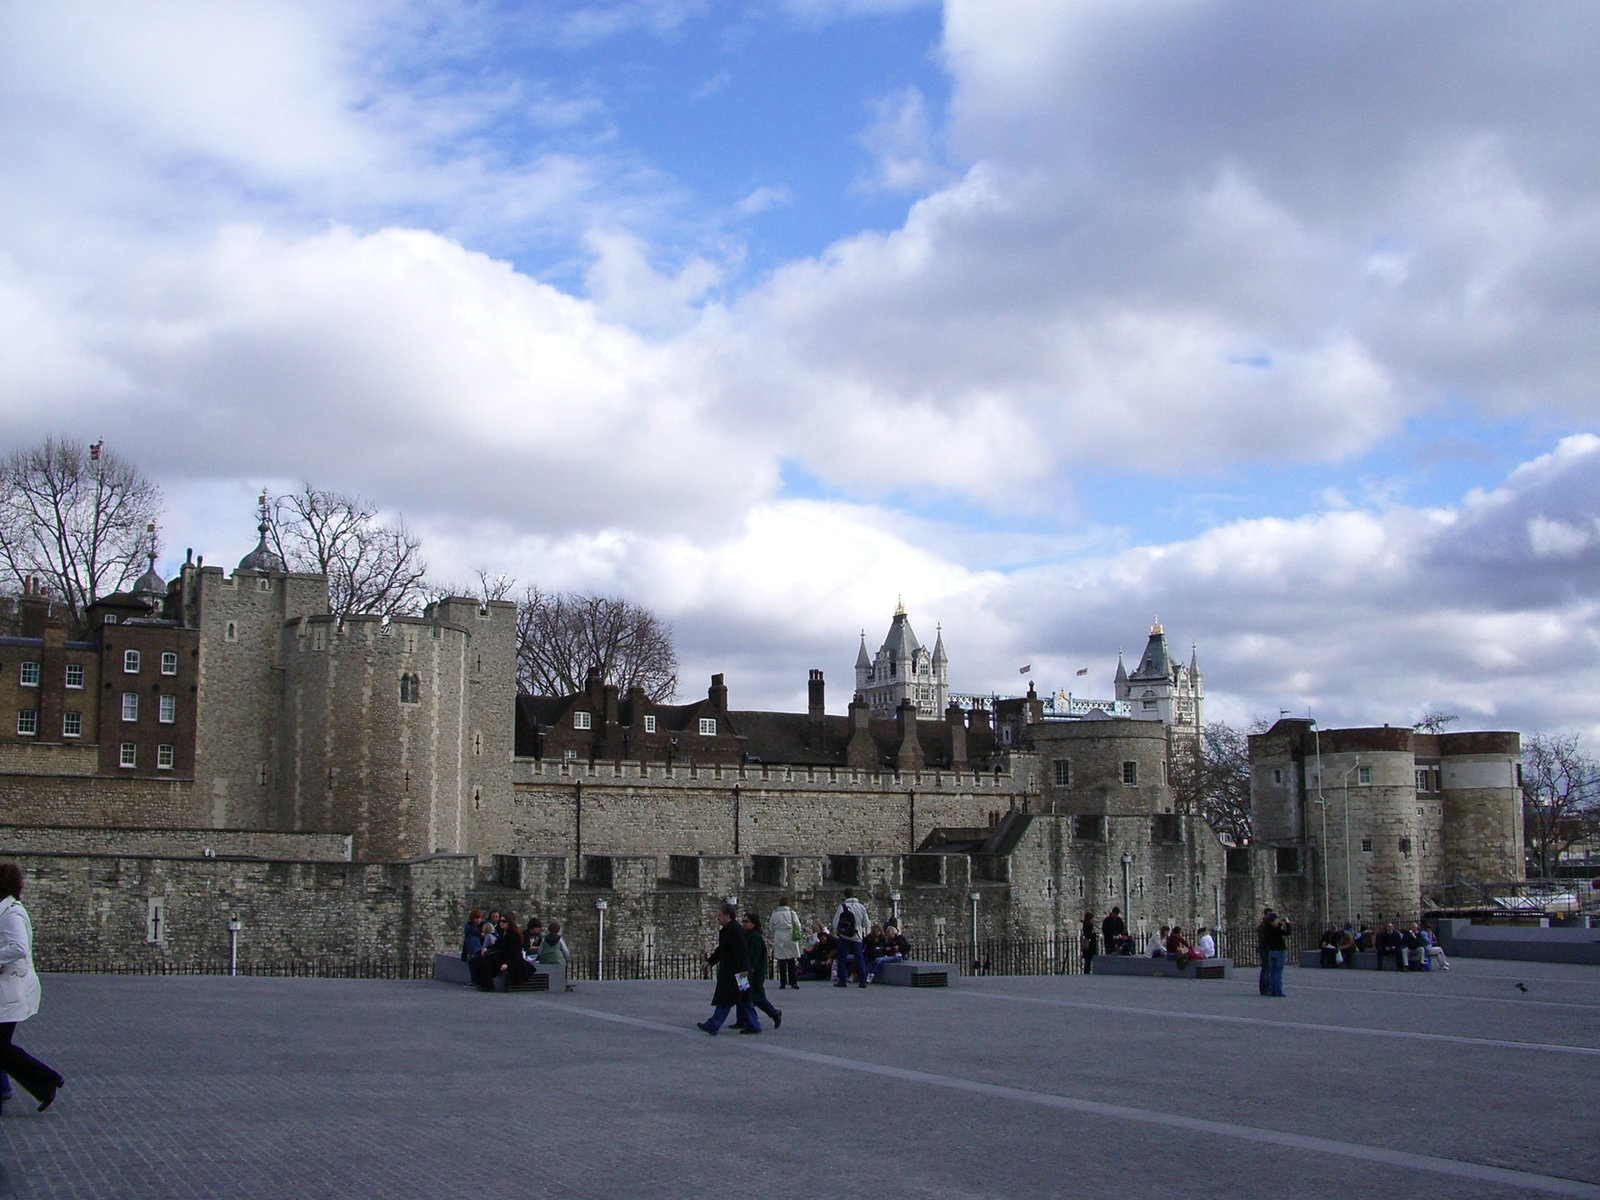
1164	968
449	968
1365	960
908	973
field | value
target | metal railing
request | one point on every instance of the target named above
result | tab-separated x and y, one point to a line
990	956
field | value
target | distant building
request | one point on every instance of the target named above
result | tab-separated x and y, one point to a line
1365	823
904	669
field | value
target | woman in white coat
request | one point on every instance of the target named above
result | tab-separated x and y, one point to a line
19	989
786	935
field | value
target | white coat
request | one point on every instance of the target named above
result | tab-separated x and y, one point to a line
786	932
19	982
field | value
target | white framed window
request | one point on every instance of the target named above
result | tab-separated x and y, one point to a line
129	755
1063	772
130	706
581	720
649	724
1363	774
71	724
164	758
168	710
1130	773
1149	705
30	674
263	584
130	662
169	662
708	727
75	676
28	722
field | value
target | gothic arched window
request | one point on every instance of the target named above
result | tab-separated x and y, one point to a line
410	689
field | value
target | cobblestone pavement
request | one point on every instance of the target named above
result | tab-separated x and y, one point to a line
1357	1084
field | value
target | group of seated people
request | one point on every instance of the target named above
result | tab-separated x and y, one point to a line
1414	949
1169	942
882	944
494	945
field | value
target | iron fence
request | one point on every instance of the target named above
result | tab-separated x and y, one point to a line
989	956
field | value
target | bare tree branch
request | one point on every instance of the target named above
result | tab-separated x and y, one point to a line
1215	785
371	567
1434	721
77	517
560	635
1560	797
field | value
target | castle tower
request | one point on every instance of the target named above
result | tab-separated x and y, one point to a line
903	669
1162	690
240	688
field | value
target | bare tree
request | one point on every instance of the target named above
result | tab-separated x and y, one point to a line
77	517
1215	784
1560	797
560	635
1434	721
371	567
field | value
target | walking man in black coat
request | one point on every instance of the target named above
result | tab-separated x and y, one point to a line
732	960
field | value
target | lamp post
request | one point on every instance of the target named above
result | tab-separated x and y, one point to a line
1127	882
234	925
975	960
1347	895
894	906
600	948
1322	848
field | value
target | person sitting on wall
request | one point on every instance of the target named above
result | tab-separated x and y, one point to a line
532	935
872	945
1431	950
815	960
1411	953
895	949
1156	947
1330	947
1347	947
1114	933
1207	945
1365	939
1178	947
1390	942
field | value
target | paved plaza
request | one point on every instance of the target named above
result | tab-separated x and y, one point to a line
1357	1084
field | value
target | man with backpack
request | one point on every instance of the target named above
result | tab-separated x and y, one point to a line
850	925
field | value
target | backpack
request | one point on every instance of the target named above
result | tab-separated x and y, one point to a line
845	927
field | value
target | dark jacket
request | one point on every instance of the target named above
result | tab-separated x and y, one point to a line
730	958
1273	935
471	942
756	949
1113	927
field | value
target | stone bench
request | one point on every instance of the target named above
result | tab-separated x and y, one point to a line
449	968
906	973
1166	968
1365	960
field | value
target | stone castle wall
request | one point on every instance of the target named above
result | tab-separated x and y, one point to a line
654	808
50	800
182	842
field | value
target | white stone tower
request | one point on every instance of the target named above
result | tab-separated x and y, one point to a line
1162	690
903	669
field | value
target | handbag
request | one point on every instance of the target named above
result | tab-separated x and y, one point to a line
743	980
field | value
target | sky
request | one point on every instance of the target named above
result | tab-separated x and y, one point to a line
1047	317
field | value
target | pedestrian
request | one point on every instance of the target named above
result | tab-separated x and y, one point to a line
19	990
1272	942
732	961
1088	938
756	949
850	925
786	934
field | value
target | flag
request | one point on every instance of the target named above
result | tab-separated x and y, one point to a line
1025	670
1083	670
94	450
